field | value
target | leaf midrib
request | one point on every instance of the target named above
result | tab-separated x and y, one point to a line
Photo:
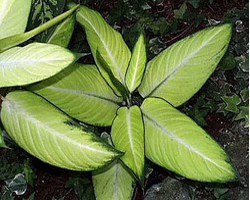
106	47
136	66
182	64
14	106
180	141
83	93
128	119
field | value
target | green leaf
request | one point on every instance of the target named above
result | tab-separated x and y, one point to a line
13	17
244	114
177	143
15	40
232	102
127	133
28	172
227	62
82	186
244	94
48	134
102	37
179	14
2	143
32	63
81	92
195	3
17	185
119	86
113	182
179	72
63	32
43	11
137	65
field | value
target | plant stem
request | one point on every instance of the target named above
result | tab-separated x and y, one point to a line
12	41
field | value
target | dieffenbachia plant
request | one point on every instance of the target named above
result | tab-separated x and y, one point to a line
102	95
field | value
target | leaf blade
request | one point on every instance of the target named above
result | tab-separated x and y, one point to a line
182	146
127	135
96	102
32	63
137	65
102	37
7	43
51	136
176	80
63	32
113	181
13	17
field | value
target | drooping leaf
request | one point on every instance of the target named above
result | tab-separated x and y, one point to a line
32	63
63	32
174	141
13	17
45	132
113	182
81	92
127	135
41	12
14	40
137	65
179	72
102	37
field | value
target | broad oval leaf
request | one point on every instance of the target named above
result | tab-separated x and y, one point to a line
174	141
51	136
137	65
179	72
113	182
32	63
81	92
63	32
13	17
102	37
127	133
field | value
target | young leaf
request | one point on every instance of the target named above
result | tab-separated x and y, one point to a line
13	17
127	135
15	40
102	37
179	72
113	181
63	32
96	102
119	86
174	141
137	65
32	63
45	132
